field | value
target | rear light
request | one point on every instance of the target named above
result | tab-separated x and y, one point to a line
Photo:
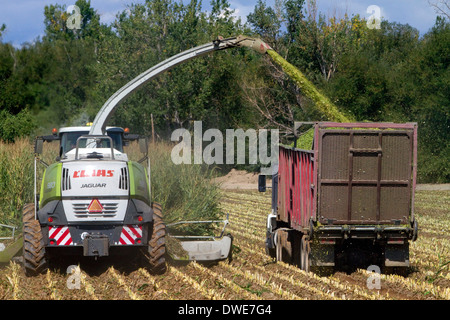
138	241
327	241
140	218
50	219
52	242
396	241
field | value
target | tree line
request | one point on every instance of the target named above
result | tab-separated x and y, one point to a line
389	74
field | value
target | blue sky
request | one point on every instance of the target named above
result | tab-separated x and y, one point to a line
24	18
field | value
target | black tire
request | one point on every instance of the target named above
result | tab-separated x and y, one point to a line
305	254
272	252
34	257
284	248
157	242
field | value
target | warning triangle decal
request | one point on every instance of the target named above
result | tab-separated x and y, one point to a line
95	206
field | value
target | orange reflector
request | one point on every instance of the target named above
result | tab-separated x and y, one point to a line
95	206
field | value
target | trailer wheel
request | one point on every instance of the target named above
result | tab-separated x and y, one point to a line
305	254
415	230
34	257
157	242
283	249
270	247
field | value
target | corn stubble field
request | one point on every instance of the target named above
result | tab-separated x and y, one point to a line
251	274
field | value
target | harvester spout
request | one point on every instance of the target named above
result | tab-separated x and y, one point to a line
253	43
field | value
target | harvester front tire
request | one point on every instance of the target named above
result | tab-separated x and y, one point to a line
157	243
34	257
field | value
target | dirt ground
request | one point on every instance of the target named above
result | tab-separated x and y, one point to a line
433	187
239	180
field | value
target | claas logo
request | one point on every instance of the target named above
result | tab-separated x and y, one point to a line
93	173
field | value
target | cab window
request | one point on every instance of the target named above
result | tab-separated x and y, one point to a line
69	141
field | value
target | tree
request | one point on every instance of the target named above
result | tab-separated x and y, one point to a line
294	17
265	22
16	126
431	108
63	25
442	7
2	29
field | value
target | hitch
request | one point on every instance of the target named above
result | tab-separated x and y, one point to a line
96	245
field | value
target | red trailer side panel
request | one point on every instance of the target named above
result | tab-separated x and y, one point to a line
296	190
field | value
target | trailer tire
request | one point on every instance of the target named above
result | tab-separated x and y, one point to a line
415	233
283	248
34	257
270	247
305	254
157	242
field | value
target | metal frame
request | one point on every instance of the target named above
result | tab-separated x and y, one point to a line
13	232
225	222
93	137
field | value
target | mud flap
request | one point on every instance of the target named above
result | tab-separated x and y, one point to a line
322	255
396	255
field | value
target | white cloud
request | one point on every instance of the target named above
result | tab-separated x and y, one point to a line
242	10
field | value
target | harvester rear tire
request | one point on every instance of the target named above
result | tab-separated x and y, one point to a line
34	258
157	242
